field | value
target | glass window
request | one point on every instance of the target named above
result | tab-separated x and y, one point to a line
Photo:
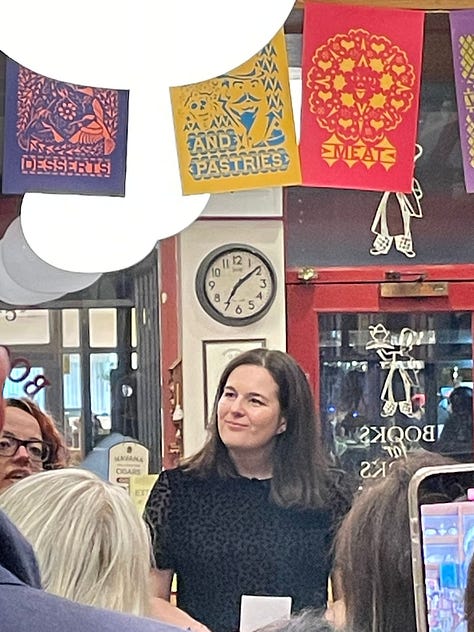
16	389
83	343
72	381
393	382
72	393
103	327
24	327
134	328
70	327
101	367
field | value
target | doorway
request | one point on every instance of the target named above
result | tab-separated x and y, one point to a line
384	369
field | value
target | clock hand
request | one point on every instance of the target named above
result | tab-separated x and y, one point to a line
239	283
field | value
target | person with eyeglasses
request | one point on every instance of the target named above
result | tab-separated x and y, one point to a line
30	442
24	606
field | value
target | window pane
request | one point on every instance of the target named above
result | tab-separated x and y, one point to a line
29	326
134	328
386	384
103	327
72	381
15	389
102	364
72	387
70	325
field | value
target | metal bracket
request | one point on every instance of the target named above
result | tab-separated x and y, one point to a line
307	274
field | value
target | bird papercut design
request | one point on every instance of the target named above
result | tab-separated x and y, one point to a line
94	129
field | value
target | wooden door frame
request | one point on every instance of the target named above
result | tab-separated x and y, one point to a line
355	290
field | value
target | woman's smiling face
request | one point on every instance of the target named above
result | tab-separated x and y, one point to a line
248	415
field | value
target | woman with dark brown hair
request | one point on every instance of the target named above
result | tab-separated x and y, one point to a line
253	512
30	442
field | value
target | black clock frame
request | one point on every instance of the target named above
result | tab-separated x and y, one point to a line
200	282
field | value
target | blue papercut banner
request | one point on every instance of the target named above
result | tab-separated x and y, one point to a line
62	138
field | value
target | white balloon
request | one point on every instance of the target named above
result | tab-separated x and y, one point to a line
154	178
145	47
208	38
89	45
18	296
102	42
29	271
84	233
90	233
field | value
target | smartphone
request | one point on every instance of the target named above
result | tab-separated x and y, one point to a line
442	543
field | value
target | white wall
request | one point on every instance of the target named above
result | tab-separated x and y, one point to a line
195	243
244	204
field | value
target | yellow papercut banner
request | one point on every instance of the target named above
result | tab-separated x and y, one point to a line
237	131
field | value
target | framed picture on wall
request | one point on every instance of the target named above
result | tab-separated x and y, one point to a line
216	355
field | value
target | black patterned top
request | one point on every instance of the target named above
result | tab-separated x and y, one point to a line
224	538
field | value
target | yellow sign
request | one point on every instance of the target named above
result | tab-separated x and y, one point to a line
140	488
237	131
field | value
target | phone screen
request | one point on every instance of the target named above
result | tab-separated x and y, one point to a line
442	532
448	546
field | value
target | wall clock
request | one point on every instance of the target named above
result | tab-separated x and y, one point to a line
236	284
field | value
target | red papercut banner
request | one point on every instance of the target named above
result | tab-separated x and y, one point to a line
361	82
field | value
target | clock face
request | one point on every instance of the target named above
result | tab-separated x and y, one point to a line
236	284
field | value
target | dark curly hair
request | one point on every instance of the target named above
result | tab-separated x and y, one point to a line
58	452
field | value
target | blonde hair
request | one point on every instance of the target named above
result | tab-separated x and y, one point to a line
92	545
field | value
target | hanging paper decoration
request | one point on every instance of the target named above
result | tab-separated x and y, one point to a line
361	81
403	368
409	206
237	131
462	39
62	138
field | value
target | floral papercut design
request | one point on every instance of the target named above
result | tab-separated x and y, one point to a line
361	84
361	72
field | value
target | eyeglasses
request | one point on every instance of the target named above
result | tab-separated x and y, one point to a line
37	450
